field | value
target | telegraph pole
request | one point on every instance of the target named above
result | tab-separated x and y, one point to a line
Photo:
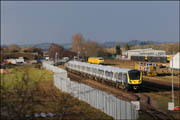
78	52
172	79
56	57
171	104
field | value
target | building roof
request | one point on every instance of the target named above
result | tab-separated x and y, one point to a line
142	50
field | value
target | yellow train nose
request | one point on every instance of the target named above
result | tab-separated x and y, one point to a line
135	81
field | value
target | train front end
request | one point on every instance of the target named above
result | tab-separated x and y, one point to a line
134	79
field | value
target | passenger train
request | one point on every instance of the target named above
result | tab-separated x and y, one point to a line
129	79
162	59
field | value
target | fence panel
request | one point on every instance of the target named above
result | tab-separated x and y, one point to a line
107	103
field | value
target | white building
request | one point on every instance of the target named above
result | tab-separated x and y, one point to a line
174	63
145	52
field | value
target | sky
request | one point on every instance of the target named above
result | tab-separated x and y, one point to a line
32	22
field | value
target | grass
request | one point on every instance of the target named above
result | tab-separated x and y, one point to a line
162	102
28	90
144	116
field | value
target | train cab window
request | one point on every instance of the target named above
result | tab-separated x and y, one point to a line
134	75
101	58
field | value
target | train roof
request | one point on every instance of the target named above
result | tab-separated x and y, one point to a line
152	55
95	57
101	67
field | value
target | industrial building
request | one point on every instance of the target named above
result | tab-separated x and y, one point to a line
143	52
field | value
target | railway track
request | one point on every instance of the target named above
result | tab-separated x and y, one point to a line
145	100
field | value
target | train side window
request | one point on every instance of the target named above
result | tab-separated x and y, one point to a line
93	70
90	70
86	68
100	72
111	74
116	75
125	77
96	70
120	76
106	73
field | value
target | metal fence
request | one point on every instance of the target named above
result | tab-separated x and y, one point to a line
49	65
107	103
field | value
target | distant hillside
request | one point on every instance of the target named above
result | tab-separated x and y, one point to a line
4	46
139	42
44	46
131	42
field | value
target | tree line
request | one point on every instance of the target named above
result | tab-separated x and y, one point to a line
90	48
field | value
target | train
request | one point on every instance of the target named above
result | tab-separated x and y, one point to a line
162	59
96	60
128	79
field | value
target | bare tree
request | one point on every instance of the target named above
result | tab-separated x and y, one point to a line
91	48
127	46
33	50
54	48
14	48
77	43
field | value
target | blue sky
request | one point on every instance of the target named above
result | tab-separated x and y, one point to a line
44	21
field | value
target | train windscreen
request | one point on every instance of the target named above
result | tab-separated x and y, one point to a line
101	58
134	75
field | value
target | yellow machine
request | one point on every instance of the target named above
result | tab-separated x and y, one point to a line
148	69
96	60
146	58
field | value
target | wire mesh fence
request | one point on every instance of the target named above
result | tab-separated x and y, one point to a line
109	104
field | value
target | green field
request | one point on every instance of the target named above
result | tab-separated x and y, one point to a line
28	90
162	102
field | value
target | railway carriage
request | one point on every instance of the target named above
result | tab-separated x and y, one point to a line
163	59
120	77
96	60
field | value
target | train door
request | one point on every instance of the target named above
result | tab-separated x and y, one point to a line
125	78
